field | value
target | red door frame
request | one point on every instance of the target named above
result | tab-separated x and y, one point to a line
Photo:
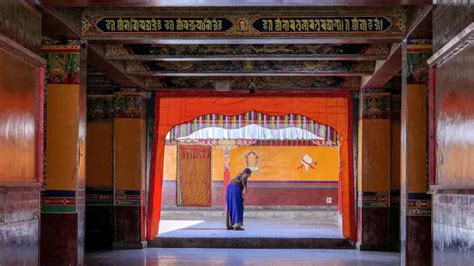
155	187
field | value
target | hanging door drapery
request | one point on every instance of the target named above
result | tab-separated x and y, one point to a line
194	176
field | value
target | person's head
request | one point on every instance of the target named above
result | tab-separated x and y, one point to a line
247	172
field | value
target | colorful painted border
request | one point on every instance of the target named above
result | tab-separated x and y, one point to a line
99	196
418	204
58	201
373	199
128	198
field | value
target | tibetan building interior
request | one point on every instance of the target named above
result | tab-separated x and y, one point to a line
122	123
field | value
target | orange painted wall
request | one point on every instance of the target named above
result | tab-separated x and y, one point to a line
374	154
280	163
129	153
62	137
416	159
100	154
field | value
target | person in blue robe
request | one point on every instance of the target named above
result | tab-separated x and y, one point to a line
235	195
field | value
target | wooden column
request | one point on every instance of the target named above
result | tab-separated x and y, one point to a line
374	169
62	201
129	169
415	202
100	176
395	105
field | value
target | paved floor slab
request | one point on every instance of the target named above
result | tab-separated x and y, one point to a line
241	257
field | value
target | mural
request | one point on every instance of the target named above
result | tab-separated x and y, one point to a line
259	83
129	104
307	163
100	107
251	161
310	22
375	104
417	55
125	50
63	63
366	67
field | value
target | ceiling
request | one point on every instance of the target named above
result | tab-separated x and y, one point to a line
254	58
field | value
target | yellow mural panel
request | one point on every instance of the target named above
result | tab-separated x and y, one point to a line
417	177
99	154
375	155
170	162
62	136
217	163
288	163
129	150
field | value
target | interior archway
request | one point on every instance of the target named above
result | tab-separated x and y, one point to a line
334	110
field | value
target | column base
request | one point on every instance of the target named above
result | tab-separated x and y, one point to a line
137	245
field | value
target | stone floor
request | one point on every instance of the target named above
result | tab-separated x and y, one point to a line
237	257
290	223
253	228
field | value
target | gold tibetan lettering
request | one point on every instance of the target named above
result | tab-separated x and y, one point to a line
179	24
363	24
120	24
169	25
355	24
110	24
277	24
304	25
285	24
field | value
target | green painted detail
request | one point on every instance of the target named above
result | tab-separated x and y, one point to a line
58	209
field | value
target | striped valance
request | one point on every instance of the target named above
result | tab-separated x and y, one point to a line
323	133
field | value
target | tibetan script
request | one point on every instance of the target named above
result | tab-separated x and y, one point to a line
323	24
144	25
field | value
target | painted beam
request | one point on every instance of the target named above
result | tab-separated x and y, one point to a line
351	24
114	70
250	68
385	70
256	83
227	3
247	52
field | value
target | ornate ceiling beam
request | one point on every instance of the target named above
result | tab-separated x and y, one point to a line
250	68
245	25
227	3
385	70
255	83
250	52
112	69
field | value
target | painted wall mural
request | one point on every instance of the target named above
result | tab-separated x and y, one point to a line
262	22
153	50
376	104
63	64
259	83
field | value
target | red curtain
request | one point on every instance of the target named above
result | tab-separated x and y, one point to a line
332	109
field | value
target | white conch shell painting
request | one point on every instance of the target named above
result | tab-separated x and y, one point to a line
307	162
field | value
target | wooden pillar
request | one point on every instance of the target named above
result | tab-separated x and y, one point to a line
100	176
374	169
129	168
395	105
415	202
62	201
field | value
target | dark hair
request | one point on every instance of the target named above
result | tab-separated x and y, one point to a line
247	171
